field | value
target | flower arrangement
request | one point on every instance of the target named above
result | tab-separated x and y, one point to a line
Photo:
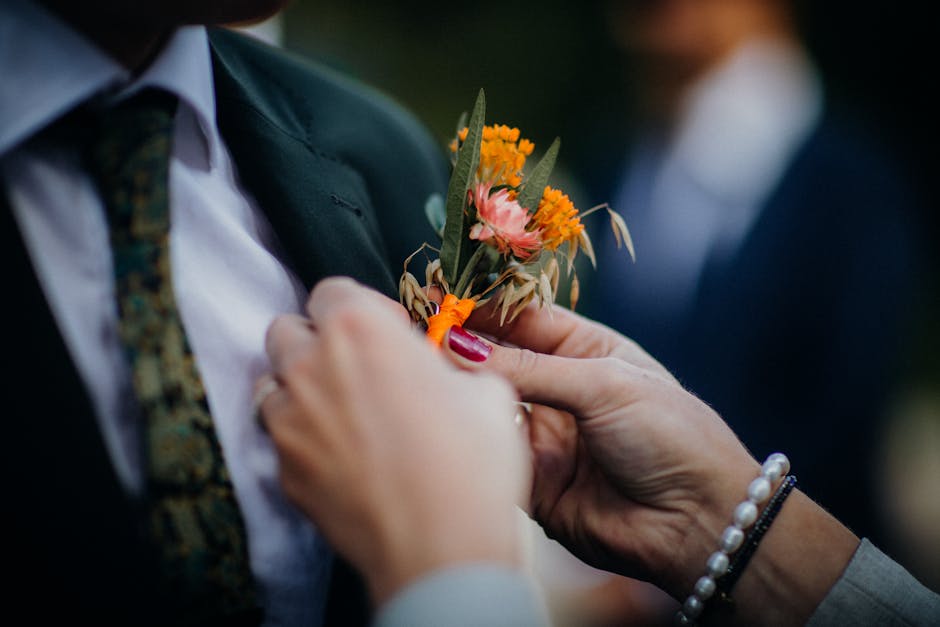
506	234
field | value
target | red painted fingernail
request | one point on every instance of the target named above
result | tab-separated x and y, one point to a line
468	345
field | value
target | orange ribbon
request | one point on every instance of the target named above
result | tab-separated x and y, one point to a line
453	313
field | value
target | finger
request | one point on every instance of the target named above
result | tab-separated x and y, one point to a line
580	386
465	349
335	294
561	332
553	440
562	382
357	325
288	337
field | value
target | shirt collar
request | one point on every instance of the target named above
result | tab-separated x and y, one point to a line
184	68
761	103
49	68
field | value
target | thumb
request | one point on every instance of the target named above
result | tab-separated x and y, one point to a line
575	385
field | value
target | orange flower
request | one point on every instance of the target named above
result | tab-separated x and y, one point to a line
557	219
502	154
454	312
502	222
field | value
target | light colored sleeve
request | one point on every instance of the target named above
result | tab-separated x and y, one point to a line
875	590
466	596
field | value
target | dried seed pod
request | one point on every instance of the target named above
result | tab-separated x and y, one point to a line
521	276
585	242
429	271
438	279
575	292
405	293
521	305
523	293
621	232
554	274
413	296
572	252
507	294
546	294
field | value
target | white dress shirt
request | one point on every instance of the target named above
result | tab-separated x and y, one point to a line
227	277
698	192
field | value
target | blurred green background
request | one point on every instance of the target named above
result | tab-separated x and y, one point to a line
536	61
548	66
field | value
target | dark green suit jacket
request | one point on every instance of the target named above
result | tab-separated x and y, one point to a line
342	175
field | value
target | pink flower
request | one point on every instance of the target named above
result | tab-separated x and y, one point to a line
502	222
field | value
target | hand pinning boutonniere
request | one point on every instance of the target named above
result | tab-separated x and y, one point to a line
506	234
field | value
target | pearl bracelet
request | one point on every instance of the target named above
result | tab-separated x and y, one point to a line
745	514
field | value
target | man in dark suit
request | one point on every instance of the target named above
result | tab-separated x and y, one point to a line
280	174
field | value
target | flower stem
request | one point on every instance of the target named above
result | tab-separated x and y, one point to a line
467	276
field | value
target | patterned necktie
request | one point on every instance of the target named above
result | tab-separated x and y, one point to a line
192	513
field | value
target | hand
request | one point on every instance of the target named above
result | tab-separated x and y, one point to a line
635	475
405	463
632	473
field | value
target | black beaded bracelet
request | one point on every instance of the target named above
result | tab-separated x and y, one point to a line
743	556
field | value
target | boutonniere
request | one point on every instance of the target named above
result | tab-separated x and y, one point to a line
506	234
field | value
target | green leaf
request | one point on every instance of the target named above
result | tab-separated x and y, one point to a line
456	242
464	257
434	210
466	277
535	183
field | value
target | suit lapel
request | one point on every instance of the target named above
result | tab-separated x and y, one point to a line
317	205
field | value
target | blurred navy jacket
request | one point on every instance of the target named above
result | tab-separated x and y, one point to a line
791	333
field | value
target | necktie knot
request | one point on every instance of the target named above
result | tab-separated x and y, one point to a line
129	159
89	122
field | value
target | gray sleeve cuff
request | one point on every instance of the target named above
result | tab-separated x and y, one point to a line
466	596
875	590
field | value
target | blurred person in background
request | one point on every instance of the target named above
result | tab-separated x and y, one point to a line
775	257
